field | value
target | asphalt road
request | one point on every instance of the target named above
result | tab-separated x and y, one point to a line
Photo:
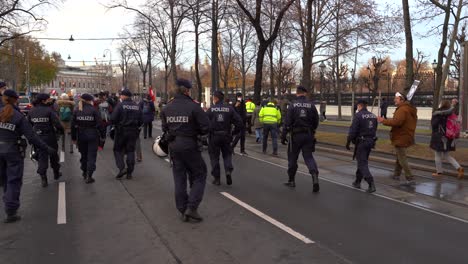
136	221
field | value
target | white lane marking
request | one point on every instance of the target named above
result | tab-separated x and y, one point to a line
379	195
269	219
62	206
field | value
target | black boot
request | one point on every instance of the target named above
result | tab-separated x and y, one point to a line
129	176
121	174
357	184
228	178
371	188
315	182
11	218
192	214
216	181
84	175
57	175
290	183
89	178
44	181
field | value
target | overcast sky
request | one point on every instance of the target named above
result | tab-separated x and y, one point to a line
90	19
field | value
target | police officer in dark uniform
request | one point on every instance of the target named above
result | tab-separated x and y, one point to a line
13	125
363	134
221	117
127	120
186	125
87	131
240	108
301	122
46	125
3	87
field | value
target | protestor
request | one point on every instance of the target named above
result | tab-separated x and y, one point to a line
148	110
258	126
105	109
239	106
127	120
323	110
383	108
363	135
250	108
66	107
301	122
13	126
87	131
270	117
46	125
402	133
221	117
185	125
441	142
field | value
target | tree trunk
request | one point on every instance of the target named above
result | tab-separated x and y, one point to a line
441	54
409	46
259	72
272	73
197	63
307	52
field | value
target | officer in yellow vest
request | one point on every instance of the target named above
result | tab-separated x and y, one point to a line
250	108
270	117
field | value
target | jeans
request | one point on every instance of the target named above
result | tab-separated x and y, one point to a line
259	134
439	156
273	128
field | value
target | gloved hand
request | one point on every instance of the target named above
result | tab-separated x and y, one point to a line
284	141
51	151
348	143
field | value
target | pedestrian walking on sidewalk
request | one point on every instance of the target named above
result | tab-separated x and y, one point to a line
363	134
47	126
257	124
440	143
301	122
184	122
127	120
402	133
383	108
221	117
240	108
87	132
13	126
270	117
323	110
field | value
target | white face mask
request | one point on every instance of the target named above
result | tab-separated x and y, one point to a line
239	98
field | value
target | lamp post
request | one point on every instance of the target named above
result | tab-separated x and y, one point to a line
434	69
322	67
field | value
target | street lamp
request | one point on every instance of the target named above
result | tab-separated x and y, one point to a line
322	67
434	68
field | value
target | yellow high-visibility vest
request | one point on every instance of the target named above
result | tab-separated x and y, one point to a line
269	114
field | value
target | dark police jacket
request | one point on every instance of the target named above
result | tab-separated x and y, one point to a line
222	117
87	122
302	116
44	120
183	121
11	132
241	110
127	114
364	125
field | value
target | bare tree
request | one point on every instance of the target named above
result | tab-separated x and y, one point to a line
125	63
409	45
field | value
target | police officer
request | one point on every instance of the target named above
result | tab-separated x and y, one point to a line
221	117
240	108
3	87
362	133
302	120
127	120
13	125
87	131
46	125
183	121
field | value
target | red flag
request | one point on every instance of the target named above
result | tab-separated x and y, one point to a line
151	93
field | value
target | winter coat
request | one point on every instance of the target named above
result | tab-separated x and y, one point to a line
68	103
256	119
403	125
148	117
439	125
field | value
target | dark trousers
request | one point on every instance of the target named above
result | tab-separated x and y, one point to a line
273	129
11	171
362	157
44	156
88	147
220	145
188	165
148	130
383	114
241	136
249	123
124	144
301	142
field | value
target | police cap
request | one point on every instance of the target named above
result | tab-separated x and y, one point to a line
219	95
42	96
301	89
184	83
362	101
10	93
2	85
126	92
238	94
87	97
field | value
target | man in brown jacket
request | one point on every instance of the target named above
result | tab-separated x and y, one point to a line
403	126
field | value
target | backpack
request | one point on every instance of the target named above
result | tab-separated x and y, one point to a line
65	114
453	127
104	111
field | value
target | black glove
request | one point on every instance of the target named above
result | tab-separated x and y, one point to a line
51	151
347	144
284	141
